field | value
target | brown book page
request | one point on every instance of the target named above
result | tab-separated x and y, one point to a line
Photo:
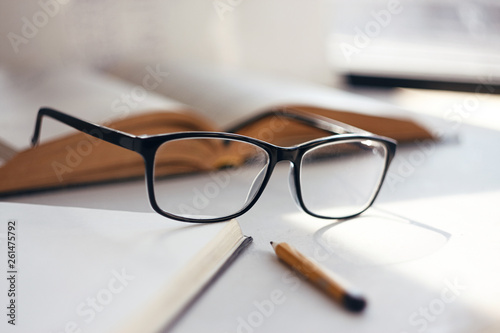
399	129
81	158
286	132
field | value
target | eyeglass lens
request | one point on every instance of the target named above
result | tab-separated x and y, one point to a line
340	179
207	177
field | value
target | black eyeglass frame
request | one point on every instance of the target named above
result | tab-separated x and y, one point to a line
147	146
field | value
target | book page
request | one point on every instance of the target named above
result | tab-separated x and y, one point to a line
80	269
83	93
226	95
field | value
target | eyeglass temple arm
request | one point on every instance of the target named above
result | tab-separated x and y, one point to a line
323	123
107	134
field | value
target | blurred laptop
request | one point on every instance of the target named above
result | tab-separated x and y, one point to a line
436	44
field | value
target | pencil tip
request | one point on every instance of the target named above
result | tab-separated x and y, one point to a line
354	303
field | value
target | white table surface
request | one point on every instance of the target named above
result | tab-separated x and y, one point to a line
448	193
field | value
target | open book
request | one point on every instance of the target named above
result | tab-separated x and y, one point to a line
107	271
81	159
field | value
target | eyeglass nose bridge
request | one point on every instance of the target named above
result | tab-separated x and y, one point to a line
292	155
287	154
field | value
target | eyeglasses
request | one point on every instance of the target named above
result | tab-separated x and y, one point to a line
216	176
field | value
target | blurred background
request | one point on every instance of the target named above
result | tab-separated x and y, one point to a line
285	37
427	43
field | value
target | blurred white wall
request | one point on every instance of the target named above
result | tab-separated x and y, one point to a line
285	37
